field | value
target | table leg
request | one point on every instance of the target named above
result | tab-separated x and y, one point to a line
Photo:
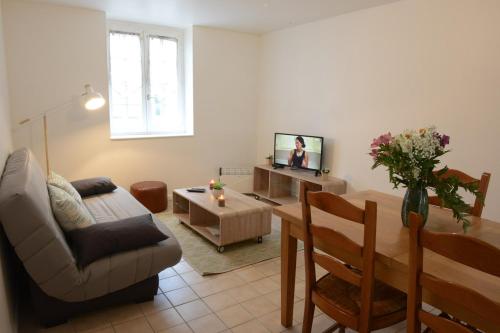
288	264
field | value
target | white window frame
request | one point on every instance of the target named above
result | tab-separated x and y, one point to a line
144	31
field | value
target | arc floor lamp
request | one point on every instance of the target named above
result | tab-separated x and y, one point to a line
90	100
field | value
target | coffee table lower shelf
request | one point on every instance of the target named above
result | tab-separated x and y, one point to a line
211	233
204	231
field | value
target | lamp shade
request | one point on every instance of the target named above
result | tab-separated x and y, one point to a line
92	100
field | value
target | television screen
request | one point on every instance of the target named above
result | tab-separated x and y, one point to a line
300	151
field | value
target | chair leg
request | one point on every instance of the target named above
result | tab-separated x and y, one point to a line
308	315
333	328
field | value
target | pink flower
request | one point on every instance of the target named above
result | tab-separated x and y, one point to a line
384	139
445	140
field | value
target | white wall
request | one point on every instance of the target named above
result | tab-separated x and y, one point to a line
349	78
54	50
5	132
8	306
225	101
408	64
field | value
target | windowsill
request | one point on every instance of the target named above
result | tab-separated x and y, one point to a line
148	136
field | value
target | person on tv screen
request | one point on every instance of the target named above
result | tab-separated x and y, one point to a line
298	157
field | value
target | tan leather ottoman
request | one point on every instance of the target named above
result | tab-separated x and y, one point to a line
152	194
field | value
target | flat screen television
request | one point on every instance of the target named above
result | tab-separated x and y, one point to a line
298	151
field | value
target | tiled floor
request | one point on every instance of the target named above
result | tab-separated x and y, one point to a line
245	300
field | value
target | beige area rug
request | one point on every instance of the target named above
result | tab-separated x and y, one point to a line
202	255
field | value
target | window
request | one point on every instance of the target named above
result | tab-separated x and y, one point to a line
146	84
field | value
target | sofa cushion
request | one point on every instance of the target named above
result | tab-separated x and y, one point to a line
103	239
59	181
68	212
93	186
123	269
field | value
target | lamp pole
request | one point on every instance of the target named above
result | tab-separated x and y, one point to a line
46	143
91	100
43	116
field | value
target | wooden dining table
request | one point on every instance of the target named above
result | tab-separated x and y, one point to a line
392	247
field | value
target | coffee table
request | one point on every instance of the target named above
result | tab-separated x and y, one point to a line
242	218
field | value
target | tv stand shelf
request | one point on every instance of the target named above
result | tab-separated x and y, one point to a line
282	186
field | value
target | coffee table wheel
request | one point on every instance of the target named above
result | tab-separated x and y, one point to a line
259	239
220	249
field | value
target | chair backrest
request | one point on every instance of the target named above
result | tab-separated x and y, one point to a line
460	248
335	205
477	208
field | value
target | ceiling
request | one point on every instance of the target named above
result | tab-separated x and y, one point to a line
253	16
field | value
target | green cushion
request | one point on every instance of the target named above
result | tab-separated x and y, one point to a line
68	212
59	181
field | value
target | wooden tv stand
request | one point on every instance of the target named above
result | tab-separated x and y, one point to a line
282	186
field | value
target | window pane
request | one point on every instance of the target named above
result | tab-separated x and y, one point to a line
127	112
164	112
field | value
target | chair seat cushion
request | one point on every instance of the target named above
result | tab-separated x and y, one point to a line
344	295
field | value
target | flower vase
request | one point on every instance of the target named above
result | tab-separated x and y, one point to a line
415	200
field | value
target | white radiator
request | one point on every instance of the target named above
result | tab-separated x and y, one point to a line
238	179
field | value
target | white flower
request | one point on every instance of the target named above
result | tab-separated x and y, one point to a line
416	172
422	143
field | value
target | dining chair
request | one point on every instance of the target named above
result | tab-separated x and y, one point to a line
463	249
350	295
477	208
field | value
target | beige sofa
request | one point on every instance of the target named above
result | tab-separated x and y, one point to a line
40	244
